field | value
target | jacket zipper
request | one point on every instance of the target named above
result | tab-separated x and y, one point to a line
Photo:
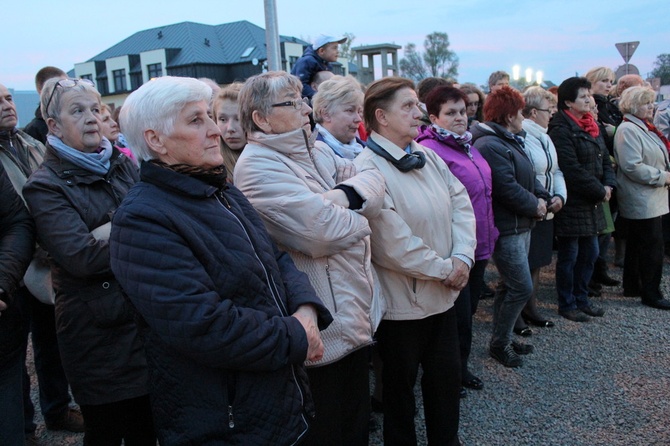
231	398
516	216
486	190
277	301
330	285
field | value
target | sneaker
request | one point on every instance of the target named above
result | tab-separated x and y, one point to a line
592	310
506	356
70	421
522	349
574	315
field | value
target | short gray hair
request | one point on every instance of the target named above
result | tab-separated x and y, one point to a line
336	91
156	105
632	98
52	96
533	97
260	91
497	76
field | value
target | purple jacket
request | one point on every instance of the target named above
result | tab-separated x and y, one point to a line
473	171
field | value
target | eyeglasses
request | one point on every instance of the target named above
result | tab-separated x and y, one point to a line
66	83
297	104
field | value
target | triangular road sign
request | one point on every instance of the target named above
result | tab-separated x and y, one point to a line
626	49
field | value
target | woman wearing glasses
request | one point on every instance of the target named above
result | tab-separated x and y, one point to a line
72	197
540	107
315	207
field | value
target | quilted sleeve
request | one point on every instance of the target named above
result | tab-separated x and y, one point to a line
171	289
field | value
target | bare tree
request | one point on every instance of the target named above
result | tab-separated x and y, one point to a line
441	61
411	66
345	48
437	60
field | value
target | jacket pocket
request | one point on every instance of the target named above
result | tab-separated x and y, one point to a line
107	304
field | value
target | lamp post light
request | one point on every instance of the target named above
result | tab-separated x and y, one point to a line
516	69
538	76
529	75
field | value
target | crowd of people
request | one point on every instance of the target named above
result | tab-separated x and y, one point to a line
215	265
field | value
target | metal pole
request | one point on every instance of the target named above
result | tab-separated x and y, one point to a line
627	56
272	36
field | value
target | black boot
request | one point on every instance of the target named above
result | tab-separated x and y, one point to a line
600	274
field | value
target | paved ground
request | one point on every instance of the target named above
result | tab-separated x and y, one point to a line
606	382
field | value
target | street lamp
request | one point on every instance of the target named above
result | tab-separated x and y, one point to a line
516	69
538	76
529	75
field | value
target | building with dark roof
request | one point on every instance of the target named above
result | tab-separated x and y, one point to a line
224	53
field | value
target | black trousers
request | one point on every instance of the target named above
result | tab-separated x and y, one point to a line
128	420
466	306
54	387
643	264
431	343
341	394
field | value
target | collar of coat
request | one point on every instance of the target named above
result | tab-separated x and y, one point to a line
175	181
295	142
493	128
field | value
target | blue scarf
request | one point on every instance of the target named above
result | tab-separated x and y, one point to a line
348	151
96	162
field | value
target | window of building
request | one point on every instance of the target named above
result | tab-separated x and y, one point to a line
87	76
119	80
154	70
248	51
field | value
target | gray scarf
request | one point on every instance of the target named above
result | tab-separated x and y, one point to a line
96	162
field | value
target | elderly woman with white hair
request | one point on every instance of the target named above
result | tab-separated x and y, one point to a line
540	106
338	109
227	320
315	207
641	151
72	197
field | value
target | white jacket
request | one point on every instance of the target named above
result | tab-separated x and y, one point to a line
427	218
285	179
542	153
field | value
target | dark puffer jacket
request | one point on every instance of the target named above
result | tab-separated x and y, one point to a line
306	67
608	114
98	340
515	187
17	241
587	169
215	295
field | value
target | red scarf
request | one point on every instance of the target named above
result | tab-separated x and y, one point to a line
652	128
587	123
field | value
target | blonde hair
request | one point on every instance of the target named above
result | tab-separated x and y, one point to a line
632	98
337	90
228	93
599	73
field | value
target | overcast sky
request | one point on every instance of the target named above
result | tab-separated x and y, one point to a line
560	38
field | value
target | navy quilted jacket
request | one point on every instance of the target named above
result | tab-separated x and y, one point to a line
214	292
